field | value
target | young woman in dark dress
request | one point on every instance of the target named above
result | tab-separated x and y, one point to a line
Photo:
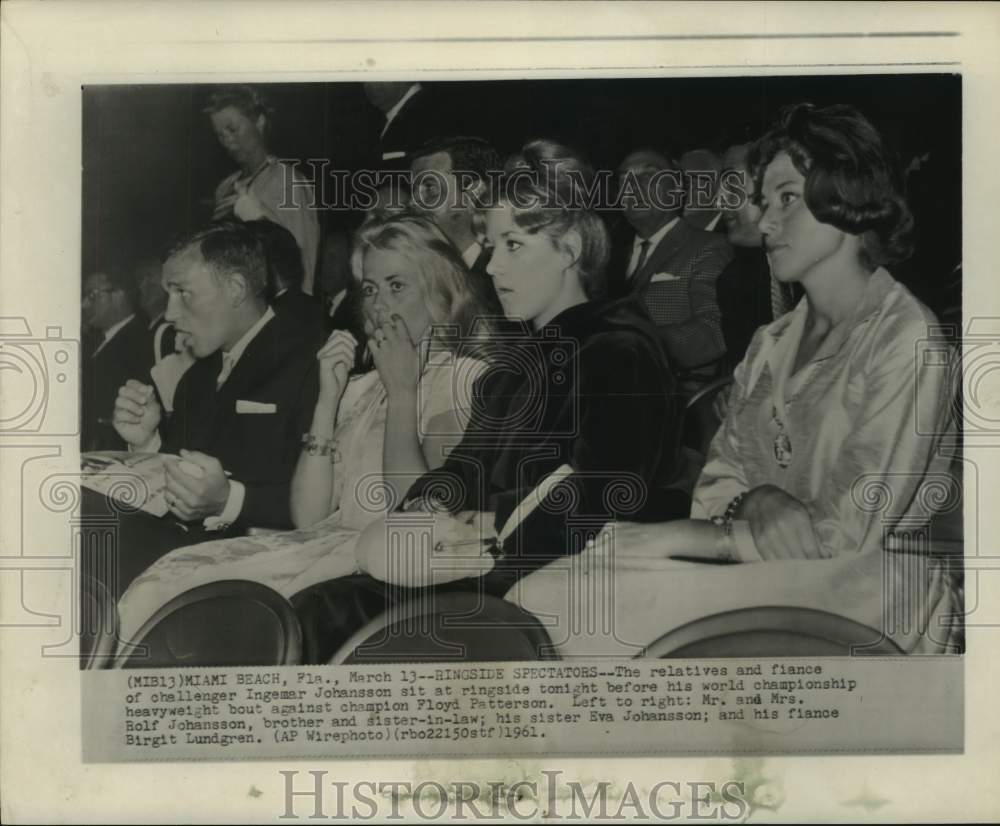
574	423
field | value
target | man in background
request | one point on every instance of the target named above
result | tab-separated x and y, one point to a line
702	170
284	279
748	296
121	351
671	265
448	179
409	121
153	301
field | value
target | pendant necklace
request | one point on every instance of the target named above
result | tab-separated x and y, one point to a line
782	442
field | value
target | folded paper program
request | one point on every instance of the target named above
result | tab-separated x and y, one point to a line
137	480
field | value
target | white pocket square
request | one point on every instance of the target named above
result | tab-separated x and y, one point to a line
244	406
664	276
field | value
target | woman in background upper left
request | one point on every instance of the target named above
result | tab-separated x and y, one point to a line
263	186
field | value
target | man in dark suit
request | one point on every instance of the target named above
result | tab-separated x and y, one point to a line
449	178
284	280
670	264
153	300
239	411
410	120
702	170
121	351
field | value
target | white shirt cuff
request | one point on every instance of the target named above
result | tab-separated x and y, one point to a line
231	512
151	445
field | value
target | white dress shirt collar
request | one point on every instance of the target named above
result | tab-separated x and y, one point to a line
112	331
391	114
657	236
236	352
653	240
471	254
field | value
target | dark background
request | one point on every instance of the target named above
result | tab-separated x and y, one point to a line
151	161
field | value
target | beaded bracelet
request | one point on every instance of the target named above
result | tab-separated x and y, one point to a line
734	506
314	446
728	548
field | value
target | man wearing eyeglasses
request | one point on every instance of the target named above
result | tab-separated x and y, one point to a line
121	351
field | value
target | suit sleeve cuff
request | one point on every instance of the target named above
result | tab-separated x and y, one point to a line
231	512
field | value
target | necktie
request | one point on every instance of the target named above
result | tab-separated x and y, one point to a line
228	362
643	251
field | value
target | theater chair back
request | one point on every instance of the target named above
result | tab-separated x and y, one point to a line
98	624
776	631
450	627
227	623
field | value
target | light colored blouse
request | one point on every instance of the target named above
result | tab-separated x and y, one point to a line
854	434
445	387
286	198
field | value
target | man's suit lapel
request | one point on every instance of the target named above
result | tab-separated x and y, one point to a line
194	405
665	250
121	344
261	358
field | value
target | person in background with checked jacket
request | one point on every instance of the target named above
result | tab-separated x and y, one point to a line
671	265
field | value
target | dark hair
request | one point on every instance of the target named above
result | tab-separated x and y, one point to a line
229	247
468	154
661	158
281	254
244	98
543	185
851	181
120	278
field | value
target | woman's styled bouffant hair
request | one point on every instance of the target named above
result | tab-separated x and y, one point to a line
459	315
851	179
245	99
546	187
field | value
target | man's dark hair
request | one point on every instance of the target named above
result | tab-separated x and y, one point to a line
120	278
282	255
230	247
468	154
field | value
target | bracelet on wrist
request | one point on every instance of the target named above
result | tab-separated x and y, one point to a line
727	543
734	507
312	445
